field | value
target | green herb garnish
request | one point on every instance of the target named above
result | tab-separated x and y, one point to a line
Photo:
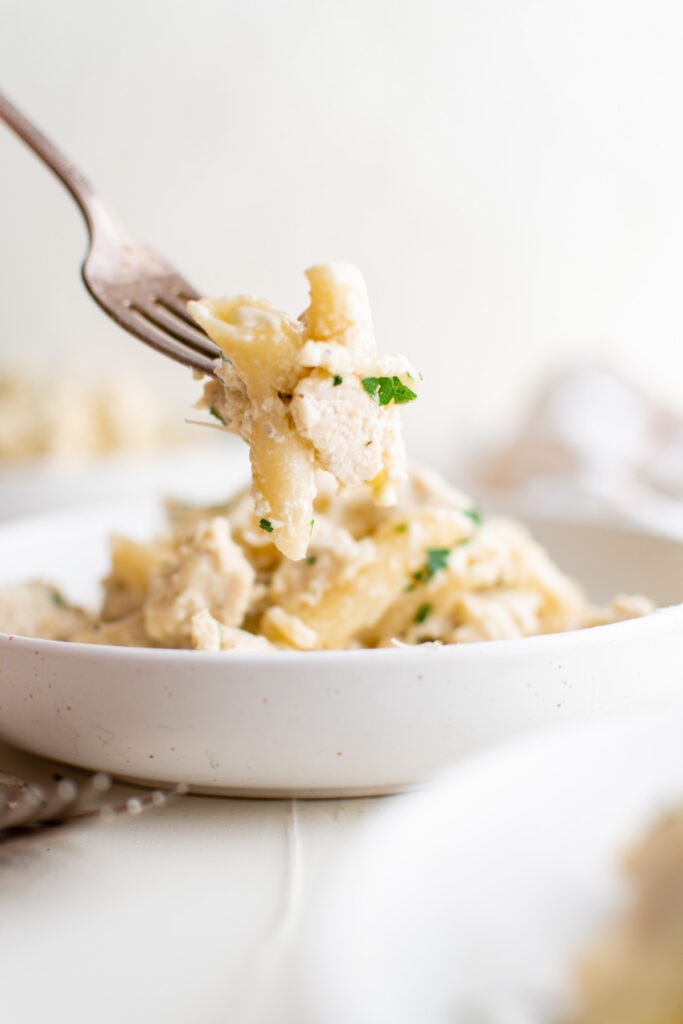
57	599
311	560
475	514
422	612
218	416
388	389
401	528
337	380
437	559
265	524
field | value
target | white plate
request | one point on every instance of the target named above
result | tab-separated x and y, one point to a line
322	723
474	899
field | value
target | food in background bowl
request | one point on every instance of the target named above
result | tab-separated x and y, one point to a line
74	437
58	416
635	974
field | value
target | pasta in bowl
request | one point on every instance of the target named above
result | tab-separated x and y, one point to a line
336	545
430	570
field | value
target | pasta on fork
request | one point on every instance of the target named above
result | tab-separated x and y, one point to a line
308	394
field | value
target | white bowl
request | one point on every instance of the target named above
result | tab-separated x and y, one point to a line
476	898
323	723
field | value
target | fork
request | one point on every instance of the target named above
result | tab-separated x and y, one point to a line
132	283
30	806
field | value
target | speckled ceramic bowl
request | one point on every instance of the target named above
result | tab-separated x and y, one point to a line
324	723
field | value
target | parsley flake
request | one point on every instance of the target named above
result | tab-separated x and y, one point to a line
311	560
265	524
218	416
388	389
475	514
401	528
437	558
57	599
337	380
422	612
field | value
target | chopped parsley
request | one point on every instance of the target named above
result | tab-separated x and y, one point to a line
311	560
57	599
265	524
437	559
337	380
475	514
422	612
218	416
388	389
401	528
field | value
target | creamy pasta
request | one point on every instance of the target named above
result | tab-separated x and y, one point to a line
305	394
430	569
337	545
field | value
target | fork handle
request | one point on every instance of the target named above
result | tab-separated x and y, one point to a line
91	206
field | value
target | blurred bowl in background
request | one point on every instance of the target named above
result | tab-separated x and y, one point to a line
199	473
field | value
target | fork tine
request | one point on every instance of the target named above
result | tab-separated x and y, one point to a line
177	304
158	338
167	320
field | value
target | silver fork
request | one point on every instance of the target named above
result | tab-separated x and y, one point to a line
29	806
133	284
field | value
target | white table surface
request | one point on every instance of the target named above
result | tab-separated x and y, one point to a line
189	913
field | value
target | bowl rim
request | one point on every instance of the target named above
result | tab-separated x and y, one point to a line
408	654
412	655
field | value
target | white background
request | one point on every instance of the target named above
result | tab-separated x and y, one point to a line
507	175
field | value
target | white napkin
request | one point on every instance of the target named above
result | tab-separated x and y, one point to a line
594	442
